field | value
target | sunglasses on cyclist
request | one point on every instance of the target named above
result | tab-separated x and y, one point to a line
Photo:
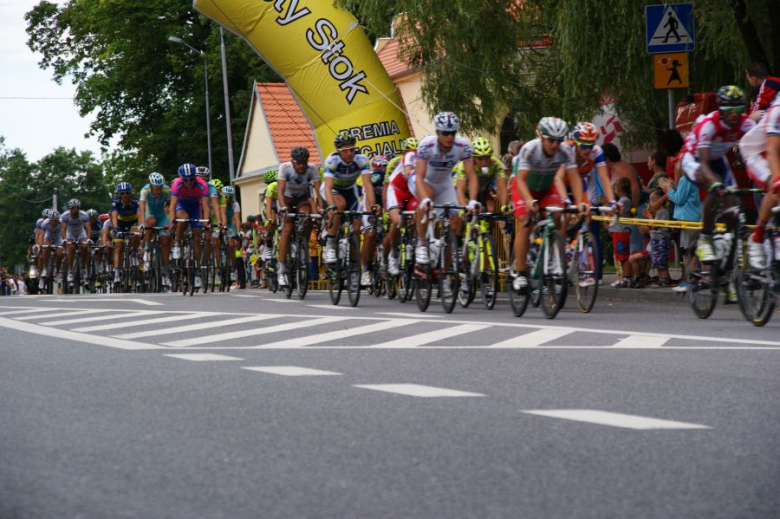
447	134
584	145
188	179
732	109
124	192
348	149
553	140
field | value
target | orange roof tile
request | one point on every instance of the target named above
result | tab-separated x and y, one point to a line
393	64
286	122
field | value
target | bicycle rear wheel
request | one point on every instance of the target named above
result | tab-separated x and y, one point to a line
354	271
467	287
703	289
422	286
450	275
489	277
302	270
757	288
518	301
554	283
586	263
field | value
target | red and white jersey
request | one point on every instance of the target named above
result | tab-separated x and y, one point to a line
397	178
754	142
713	134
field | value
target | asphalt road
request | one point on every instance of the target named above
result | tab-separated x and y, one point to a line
262	407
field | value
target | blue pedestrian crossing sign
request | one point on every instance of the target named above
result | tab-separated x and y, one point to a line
669	28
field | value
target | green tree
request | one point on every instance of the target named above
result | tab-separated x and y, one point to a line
148	94
482	58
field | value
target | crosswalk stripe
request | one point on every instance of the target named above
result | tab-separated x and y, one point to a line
210	325
290	371
130	324
258	331
417	390
200	357
626	421
60	313
330	307
60	334
533	339
122	315
641	341
434	336
335	335
26	311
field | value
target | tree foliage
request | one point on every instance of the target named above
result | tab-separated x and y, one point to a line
482	58
148	94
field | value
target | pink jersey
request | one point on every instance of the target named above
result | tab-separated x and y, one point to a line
712	133
191	194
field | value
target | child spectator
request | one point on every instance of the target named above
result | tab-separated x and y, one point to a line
687	207
660	240
621	233
636	267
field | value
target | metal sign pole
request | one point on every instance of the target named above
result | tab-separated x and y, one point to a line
670	92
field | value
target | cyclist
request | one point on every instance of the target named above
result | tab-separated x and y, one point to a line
705	163
294	182
538	176
339	189
189	200
760	149
76	228
490	176
270	202
407	145
214	186
231	213
95	225
155	196
398	197
217	222
52	235
124	218
378	166
437	155
37	240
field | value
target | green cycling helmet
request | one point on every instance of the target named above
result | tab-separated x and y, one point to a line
269	177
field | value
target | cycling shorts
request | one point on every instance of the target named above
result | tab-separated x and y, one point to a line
545	198
443	193
82	236
758	170
193	211
397	199
350	194
123	227
692	169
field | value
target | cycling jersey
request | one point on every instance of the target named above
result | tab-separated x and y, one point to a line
38	228
713	134
272	192
440	164
767	93
345	175
297	186
485	175
231	208
541	167
213	193
155	205
753	145
94	228
191	194
125	212
76	229
52	230
401	161
591	183
393	163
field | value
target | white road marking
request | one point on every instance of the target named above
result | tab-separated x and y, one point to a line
296	300
170	318
59	313
125	315
210	325
102	299
641	341
331	307
626	421
417	390
290	371
434	336
200	357
26	311
74	336
532	340
258	331
335	335
409	315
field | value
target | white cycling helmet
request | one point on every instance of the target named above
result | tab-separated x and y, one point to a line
446	122
228	191
156	179
552	127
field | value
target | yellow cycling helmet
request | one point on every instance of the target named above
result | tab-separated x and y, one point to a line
481	147
409	144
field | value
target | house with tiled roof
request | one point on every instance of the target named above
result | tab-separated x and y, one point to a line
274	126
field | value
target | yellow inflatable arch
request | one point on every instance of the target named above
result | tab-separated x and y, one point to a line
328	63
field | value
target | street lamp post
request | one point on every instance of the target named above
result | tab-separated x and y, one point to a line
227	107
206	76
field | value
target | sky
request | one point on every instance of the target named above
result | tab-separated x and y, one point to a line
36	126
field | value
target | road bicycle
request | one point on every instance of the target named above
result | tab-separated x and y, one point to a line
583	263
402	284
153	268
480	261
443	260
757	289
190	264
297	259
345	271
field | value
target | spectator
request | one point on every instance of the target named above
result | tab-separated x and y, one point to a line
21	286
768	86
687	207
660	241
656	163
619	168
314	256
638	262
621	233
513	149
672	143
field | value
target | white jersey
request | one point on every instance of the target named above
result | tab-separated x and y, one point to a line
75	224
754	141
297	186
540	166
439	170
52	229
713	134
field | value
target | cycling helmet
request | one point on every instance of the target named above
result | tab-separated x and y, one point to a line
299	154
585	132
731	95
203	171
269	177
552	127
217	183
409	144
343	140
54	215
446	122
187	170
92	214
228	191
74	202
122	187
156	179
481	147
103	217
45	213
379	162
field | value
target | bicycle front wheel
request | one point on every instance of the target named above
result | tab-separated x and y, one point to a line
518	301
488	280
586	261
756	288
450	275
554	283
703	288
354	270
302	270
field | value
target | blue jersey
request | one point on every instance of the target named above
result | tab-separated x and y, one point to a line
125	212
345	175
155	205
